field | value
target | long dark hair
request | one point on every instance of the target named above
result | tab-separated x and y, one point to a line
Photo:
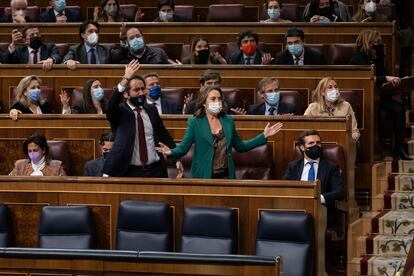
103	17
200	110
194	41
88	106
39	140
314	9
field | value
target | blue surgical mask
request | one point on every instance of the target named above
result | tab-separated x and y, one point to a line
136	44
60	5
166	16
273	13
98	94
325	20
155	92
34	95
295	49
272	98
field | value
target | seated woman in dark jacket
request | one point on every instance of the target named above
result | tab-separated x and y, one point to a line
370	50
29	99
93	101
200	53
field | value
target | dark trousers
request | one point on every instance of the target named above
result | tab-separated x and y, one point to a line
155	170
394	111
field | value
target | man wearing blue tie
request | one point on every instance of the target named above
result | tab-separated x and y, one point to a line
312	166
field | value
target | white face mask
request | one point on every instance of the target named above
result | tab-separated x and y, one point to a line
370	7
332	95
214	107
92	39
20	12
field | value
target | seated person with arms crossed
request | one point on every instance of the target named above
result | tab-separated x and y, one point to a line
268	91
214	135
328	102
95	167
311	167
38	163
296	53
138	129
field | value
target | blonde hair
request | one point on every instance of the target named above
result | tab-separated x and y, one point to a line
22	87
321	87
364	42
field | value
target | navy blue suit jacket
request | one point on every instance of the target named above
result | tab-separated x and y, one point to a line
122	120
169	107
283	108
49	15
94	167
21	54
311	57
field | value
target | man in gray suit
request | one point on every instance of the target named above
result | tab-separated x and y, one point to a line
89	51
94	167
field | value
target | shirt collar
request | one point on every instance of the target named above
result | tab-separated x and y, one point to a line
131	106
57	13
252	57
307	160
150	101
31	49
301	57
88	48
269	106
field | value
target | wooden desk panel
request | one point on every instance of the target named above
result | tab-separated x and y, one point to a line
219	33
103	194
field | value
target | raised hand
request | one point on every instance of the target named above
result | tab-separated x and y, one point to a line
272	130
131	68
217	56
239	111
180	169
96	11
266	59
139	15
16	36
187	100
64	99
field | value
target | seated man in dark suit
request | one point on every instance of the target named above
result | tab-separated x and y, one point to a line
18	13
248	53
138	129
59	13
155	98
33	50
312	167
132	47
166	12
296	53
268	91
95	167
89	51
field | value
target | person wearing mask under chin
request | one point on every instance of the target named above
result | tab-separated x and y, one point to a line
155	97
296	53
268	91
89	51
314	167
248	53
38	163
29	98
367	12
95	167
328	102
166	12
132	47
214	135
33	50
18	13
138	130
59	13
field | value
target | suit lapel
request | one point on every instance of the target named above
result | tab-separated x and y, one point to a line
25	55
43	52
205	129
262	109
83	54
101	54
164	107
299	169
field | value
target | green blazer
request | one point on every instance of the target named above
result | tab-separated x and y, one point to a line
199	133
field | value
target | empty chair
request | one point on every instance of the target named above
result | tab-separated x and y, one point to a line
264	167
144	226
58	150
209	231
66	227
290	235
128	11
225	13
340	53
5	227
185	11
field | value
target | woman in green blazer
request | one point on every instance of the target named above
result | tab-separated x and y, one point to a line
214	135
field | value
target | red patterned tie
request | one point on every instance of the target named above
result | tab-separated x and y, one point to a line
143	151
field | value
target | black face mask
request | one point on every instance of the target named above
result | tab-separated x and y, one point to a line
325	12
35	42
105	154
203	56
314	152
379	50
137	101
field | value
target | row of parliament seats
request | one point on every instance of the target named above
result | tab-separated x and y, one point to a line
335	54
148	226
213	13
